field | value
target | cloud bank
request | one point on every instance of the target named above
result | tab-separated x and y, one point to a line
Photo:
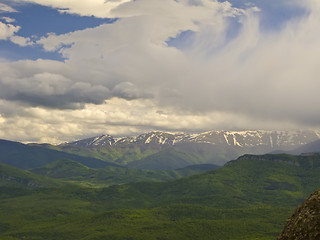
224	70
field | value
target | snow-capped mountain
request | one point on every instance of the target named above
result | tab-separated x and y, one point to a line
166	150
99	141
271	139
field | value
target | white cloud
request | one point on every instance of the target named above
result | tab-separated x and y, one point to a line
8	19
150	21
117	117
6	8
7	30
21	41
2	120
97	8
124	56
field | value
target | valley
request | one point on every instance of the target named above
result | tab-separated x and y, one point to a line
55	192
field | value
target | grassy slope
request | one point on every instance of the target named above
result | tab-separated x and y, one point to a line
120	155
246	182
73	220
247	199
17	178
182	155
166	159
27	156
69	170
157	157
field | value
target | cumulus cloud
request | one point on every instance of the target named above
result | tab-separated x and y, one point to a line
256	73
47	87
7	30
115	60
21	41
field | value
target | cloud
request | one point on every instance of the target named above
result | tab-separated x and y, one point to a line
128	90
117	117
8	19
6	8
7	30
45	87
21	41
113	60
125	77
97	8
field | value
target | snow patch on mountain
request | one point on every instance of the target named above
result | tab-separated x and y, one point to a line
272	139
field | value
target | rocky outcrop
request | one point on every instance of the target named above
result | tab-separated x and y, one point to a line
304	224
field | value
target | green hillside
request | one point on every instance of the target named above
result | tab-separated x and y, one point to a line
183	155
249	198
69	170
154	156
166	159
277	180
118	154
28	156
11	177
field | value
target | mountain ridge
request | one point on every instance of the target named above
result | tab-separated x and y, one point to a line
27	156
154	150
248	138
157	150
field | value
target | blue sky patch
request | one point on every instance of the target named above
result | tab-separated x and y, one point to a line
13	52
274	13
37	21
182	41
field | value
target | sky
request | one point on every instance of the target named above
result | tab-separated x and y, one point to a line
79	68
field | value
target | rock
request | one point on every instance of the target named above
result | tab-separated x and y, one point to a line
304	224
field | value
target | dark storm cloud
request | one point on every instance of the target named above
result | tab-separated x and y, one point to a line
51	90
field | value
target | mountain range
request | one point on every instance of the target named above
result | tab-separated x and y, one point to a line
160	150
272	139
163	150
